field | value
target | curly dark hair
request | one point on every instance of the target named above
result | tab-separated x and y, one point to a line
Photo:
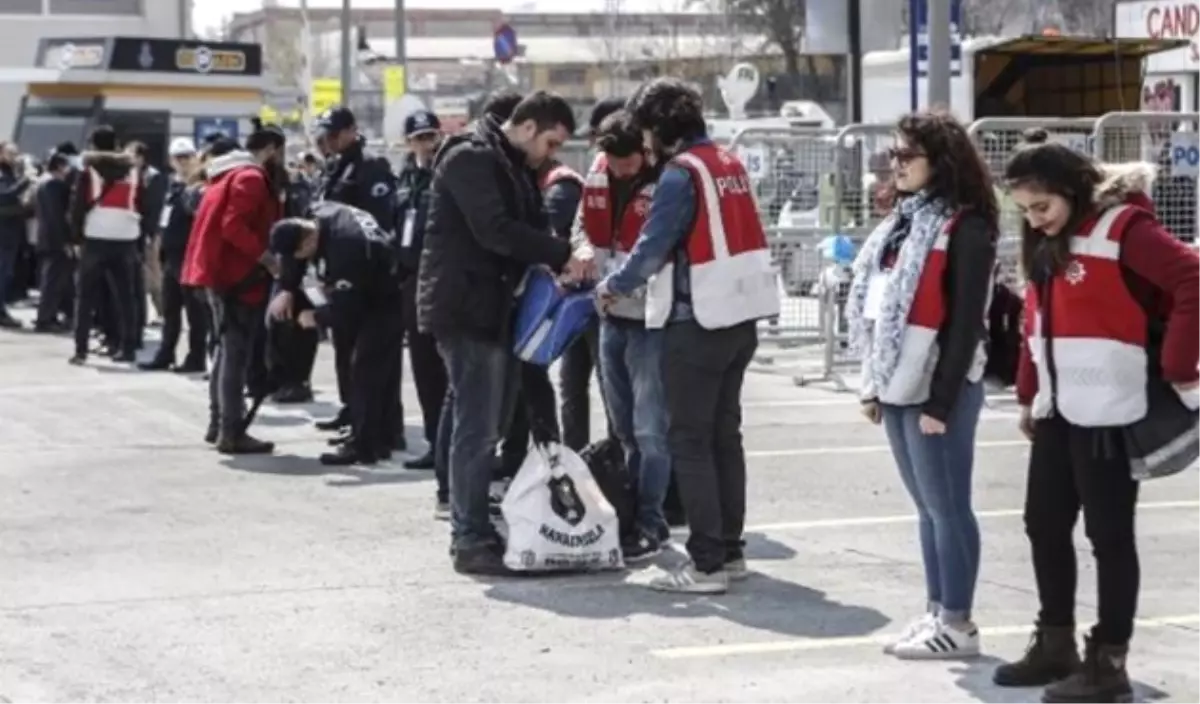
616	135
668	108
1054	168
960	176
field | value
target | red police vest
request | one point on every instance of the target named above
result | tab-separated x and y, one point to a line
1098	332
911	380
114	214
732	277
598	211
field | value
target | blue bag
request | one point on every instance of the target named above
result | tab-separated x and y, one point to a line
549	318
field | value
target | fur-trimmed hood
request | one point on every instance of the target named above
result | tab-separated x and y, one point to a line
1126	183
112	166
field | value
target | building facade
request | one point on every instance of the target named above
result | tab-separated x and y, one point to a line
25	23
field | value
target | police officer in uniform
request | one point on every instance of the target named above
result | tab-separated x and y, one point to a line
361	299
422	130
364	181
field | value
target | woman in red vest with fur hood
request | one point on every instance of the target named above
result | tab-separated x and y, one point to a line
1108	391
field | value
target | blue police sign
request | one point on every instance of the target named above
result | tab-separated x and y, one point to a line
504	43
207	126
918	43
1184	150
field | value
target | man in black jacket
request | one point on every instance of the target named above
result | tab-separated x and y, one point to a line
179	211
486	226
13	218
361	297
54	244
422	130
364	181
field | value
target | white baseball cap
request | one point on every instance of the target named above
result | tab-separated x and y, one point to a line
182	146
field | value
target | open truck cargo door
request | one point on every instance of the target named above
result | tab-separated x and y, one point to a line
1045	76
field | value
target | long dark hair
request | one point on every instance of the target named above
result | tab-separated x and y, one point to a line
960	177
1052	168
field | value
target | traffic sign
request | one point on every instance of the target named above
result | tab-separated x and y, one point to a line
504	43
918	42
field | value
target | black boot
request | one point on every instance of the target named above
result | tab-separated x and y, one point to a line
348	454
213	432
158	364
1101	677
425	461
341	420
1050	657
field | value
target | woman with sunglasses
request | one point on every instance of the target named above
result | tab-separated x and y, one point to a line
1112	309
917	309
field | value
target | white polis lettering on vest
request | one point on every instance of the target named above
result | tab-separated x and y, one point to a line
1101	382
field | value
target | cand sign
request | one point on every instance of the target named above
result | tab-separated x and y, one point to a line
1164	19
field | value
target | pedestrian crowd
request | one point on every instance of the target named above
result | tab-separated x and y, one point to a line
264	259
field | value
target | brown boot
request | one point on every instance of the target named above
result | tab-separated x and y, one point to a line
1050	657
243	445
1101	678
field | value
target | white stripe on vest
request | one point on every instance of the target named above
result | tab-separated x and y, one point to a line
117	224
1101	382
726	291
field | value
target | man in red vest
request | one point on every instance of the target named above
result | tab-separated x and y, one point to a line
107	208
703	259
617	194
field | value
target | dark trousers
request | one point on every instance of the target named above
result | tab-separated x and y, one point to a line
176	300
300	345
56	285
10	252
441	448
140	309
344	338
428	370
703	372
374	373
575	377
237	326
534	415
1069	470
106	274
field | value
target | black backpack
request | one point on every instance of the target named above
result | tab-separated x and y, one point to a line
1004	335
606	460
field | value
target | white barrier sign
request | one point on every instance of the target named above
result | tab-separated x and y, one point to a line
755	161
1185	154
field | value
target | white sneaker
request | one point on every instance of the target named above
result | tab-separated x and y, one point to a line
941	641
686	579
912	630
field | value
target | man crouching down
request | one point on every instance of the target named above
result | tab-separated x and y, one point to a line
362	294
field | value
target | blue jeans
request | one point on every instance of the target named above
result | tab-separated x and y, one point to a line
631	364
936	470
484	379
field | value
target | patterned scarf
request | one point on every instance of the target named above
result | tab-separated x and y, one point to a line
880	345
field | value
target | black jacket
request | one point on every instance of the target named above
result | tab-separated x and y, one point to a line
183	200
412	212
50	207
13	212
358	259
363	181
157	184
486	226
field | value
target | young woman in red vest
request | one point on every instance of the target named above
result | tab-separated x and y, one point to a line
1105	279
917	313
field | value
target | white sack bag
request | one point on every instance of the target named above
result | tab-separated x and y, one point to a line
557	517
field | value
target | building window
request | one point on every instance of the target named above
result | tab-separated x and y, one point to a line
567	76
94	7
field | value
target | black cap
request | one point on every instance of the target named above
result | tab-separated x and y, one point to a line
335	120
286	236
421	122
603	109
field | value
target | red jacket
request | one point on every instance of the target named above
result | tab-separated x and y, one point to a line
232	224
1164	276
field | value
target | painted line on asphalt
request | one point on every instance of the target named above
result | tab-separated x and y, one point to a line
878	639
912	518
863	449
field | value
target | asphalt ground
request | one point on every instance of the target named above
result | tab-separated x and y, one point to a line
137	564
